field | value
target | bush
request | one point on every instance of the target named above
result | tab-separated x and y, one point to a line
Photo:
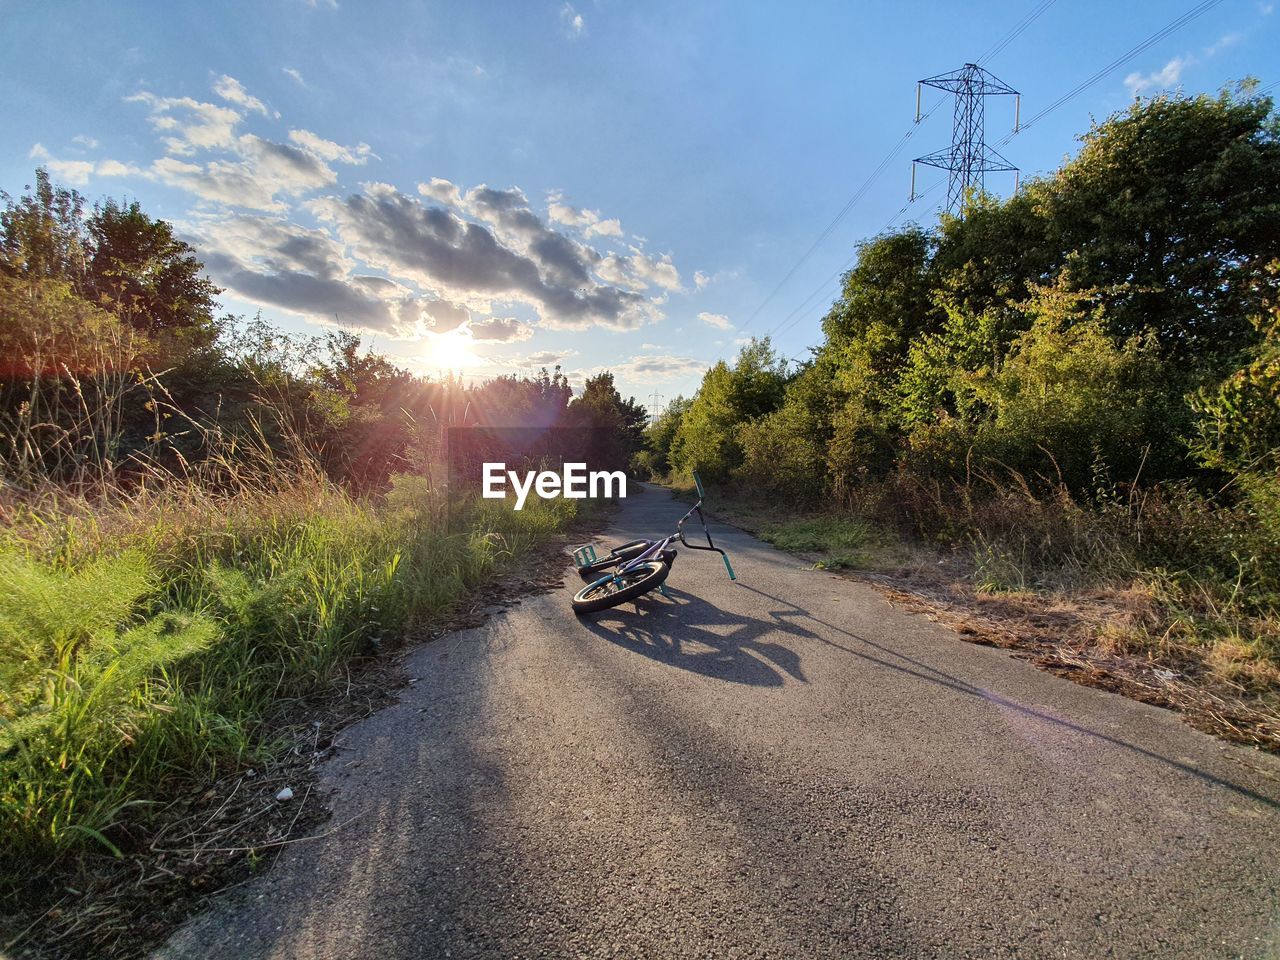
779	458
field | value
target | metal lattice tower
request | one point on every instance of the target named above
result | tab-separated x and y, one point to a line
969	158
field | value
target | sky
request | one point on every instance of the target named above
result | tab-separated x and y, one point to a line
491	188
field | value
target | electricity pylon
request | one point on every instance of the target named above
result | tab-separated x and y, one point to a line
969	158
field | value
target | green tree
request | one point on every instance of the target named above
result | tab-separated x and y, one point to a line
1171	209
661	434
614	427
707	438
1238	425
139	270
118	258
42	233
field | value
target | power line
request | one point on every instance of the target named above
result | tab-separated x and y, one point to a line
796	315
995	49
844	211
1197	11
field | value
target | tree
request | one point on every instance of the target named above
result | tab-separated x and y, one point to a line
118	258
612	427
139	270
660	435
361	397
42	233
1171	209
707	438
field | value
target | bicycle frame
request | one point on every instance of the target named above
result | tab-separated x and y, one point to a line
656	547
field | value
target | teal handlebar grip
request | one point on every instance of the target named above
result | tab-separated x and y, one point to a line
697	482
728	566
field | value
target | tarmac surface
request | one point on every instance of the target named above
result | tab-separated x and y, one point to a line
785	766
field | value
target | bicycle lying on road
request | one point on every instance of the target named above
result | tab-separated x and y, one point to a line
633	569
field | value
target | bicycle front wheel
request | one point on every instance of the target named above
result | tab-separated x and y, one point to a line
625	586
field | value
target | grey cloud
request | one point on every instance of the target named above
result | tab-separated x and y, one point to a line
231	183
458	258
291	169
545	358
329	298
279	245
501	329
660	368
445	316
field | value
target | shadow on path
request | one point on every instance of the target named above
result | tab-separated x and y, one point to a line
922	671
687	632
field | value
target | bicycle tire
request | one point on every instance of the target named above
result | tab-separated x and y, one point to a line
637	581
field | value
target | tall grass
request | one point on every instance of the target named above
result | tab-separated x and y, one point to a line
1207	567
146	639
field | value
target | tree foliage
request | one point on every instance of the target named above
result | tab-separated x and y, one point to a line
1102	319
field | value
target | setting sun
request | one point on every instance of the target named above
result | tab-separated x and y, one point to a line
449	351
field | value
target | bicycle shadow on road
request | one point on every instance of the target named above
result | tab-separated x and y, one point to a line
685	631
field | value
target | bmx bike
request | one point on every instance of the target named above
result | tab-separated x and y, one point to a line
631	570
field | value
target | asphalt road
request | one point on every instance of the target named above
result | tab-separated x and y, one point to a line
786	766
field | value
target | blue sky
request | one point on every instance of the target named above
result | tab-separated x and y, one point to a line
494	187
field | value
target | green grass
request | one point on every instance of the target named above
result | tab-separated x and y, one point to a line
146	644
842	541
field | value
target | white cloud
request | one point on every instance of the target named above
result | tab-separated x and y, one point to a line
190	125
85	141
78	172
295	76
574	25
358	155
1222	43
589	221
1167	76
657	270
700	279
232	90
114	168
441	191
717	320
74	172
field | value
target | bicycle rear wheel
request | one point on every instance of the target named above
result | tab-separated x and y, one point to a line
604	594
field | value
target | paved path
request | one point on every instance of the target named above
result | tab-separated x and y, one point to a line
782	767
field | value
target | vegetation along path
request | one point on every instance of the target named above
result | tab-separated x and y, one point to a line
782	766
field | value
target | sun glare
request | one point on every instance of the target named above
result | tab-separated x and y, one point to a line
449	352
